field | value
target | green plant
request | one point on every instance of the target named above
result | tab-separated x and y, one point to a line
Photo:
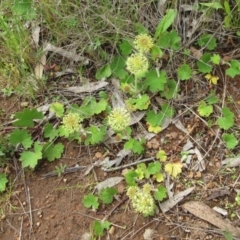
60	169
99	227
227	120
90	201
228	235
3	182
105	195
142	200
8	91
16	42
237	199
230	140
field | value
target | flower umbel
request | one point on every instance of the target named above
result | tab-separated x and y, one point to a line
143	43
142	200
71	122
119	119
137	64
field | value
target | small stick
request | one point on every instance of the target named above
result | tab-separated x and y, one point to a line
20	232
24	213
139	229
93	171
236	181
114	208
30	208
128	165
85	215
13	227
66	170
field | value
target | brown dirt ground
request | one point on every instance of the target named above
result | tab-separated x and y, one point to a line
51	208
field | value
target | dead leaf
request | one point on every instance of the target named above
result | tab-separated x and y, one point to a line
148	234
215	193
62	73
200	165
221	211
153	144
106	163
196	53
38	70
35	35
71	55
169	187
136	117
110	182
231	162
171	202
167	121
188	145
180	126
89	87
117	98
186	7
161	6
203	211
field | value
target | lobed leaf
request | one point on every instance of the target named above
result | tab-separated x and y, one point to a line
173	169
21	136
26	117
165	22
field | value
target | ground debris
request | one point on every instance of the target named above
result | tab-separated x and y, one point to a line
89	87
148	234
215	193
171	202
66	170
231	162
203	211
110	182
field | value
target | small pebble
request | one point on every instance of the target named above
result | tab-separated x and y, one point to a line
198	175
24	104
38	224
111	230
39	213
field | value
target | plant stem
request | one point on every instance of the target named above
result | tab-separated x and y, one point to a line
136	85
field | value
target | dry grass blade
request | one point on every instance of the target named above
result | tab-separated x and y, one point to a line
89	87
110	182
231	162
67	54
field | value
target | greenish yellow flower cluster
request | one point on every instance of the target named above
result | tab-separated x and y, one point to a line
143	43
137	63
142	200
72	122
119	119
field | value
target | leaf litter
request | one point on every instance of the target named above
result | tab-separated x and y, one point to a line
203	211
